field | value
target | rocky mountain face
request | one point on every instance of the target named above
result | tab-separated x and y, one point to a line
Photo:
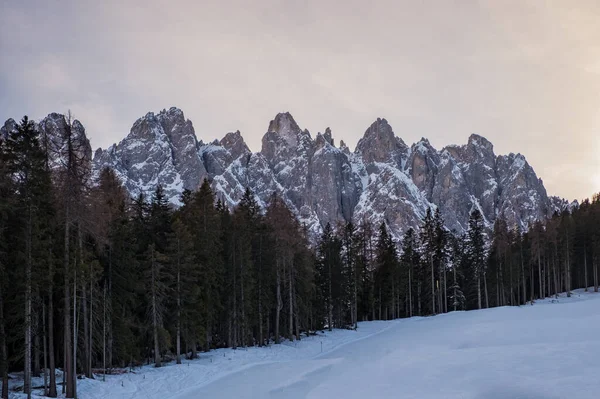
53	137
382	180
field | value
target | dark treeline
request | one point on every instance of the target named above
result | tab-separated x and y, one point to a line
92	280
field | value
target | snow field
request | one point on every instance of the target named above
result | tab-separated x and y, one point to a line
547	351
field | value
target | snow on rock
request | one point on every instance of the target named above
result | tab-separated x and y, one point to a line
160	149
383	180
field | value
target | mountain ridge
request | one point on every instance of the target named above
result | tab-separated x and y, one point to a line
383	179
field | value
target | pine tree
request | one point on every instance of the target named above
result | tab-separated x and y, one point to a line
32	184
205	223
286	236
7	204
476	252
365	267
328	261
386	278
428	250
350	272
185	274
458	262
409	259
155	273
440	259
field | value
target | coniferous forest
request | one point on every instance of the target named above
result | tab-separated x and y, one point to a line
92	280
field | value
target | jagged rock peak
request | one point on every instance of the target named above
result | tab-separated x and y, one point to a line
380	144
235	144
480	141
383	180
423	146
328	137
9	126
286	127
159	149
323	139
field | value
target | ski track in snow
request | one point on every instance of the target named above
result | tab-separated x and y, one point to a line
547	351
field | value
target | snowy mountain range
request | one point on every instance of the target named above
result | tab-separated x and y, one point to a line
383	179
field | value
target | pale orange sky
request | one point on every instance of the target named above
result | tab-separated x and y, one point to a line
523	73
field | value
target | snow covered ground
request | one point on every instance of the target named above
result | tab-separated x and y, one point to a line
546	351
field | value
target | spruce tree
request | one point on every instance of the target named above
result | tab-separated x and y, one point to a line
409	260
476	254
33	186
428	253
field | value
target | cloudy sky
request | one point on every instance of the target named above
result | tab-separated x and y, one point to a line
523	73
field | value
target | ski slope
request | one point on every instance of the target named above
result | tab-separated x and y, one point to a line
545	351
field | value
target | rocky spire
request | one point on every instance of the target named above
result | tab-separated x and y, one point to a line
380	144
235	144
285	127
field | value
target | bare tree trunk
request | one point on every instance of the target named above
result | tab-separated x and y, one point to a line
498	285
108	317
432	286
296	319
519	289
373	299
554	275
86	331
380	304
523	271
45	349
291	302
279	303
568	270
393	298
35	320
419	298
540	272
91	328
104	333
329	295
3	350
235	318
410	292
355	306
157	359
75	332
502	293
208	329
531	284
478	291
485	288
52	386
259	278
242	301
68	365
28	320
585	268
595	266
454	293
268	328
445	290
178	302
512	291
